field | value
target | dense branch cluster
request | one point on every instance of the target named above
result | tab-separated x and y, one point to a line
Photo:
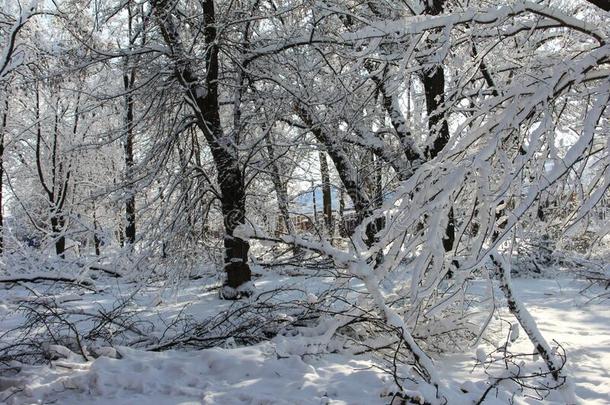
398	149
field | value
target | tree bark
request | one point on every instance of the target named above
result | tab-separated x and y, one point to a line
281	191
433	80
130	203
128	82
342	230
2	132
399	123
203	98
434	87
326	193
57	227
97	243
56	189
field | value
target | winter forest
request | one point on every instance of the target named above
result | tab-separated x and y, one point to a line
304	202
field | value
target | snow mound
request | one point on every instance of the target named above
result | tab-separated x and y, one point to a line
250	375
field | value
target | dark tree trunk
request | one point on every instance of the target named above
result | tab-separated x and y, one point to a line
326	194
230	177
525	319
128	82
130	204
434	87
206	107
433	79
233	201
449	238
57	227
97	243
130	215
315	203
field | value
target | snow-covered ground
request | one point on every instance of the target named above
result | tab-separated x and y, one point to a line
266	373
563	314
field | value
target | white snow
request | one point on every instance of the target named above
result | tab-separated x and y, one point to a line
270	372
565	316
250	375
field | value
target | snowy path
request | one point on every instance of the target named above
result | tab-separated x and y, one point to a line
258	375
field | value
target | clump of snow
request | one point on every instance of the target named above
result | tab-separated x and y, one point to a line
311	298
250	375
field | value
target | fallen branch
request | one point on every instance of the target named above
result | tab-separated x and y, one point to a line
37	278
113	273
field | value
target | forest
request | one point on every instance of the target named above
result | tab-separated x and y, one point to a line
304	202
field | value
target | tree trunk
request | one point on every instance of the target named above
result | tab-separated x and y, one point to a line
58	189
280	187
315	204
233	201
378	191
342	230
57	227
2	131
434	87
399	123
130	204
97	243
128	82
326	194
203	98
